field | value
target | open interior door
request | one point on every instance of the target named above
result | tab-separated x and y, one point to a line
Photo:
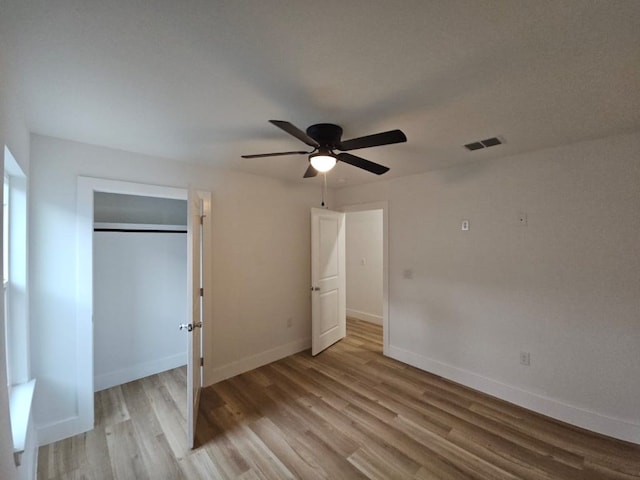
198	248
328	279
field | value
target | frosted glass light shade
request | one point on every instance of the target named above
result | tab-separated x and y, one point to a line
322	162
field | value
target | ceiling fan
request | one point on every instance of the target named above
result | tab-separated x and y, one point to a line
325	138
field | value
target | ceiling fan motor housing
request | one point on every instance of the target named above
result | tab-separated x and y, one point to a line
326	134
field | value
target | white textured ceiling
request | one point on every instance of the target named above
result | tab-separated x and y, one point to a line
198	80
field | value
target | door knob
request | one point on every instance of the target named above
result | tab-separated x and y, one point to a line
189	326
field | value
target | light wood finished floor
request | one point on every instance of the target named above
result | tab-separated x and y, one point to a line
348	413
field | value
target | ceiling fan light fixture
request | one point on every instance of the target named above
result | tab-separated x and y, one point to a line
322	161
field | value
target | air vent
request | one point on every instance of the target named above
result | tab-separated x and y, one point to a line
474	146
489	142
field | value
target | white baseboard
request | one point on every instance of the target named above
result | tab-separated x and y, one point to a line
141	370
258	360
367	317
55	431
607	425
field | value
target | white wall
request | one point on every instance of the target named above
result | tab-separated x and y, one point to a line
140	298
364	265
261	266
564	288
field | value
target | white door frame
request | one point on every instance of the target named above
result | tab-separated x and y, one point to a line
384	206
87	186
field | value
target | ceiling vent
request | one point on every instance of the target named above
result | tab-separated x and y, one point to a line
489	142
474	146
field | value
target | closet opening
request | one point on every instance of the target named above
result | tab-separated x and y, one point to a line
140	293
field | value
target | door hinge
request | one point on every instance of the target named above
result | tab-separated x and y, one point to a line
202	361
202	219
202	292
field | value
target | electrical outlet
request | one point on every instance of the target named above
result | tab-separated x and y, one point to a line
465	225
525	358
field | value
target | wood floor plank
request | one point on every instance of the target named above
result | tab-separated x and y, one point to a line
225	456
110	407
97	454
373	466
200	465
525	464
126	460
440	472
301	375
295	417
348	413
361	432
156	453
262	460
334	461
467	420
168	415
468	462
294	455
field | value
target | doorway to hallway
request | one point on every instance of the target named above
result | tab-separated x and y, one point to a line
367	265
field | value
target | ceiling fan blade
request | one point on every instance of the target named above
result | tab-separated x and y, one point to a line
295	131
291	129
279	154
384	138
311	172
362	163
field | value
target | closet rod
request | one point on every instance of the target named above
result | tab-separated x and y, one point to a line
136	230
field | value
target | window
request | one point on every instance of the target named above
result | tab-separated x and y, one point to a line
5	232
16	319
5	271
14	246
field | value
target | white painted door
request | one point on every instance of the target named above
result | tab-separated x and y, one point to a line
328	279
198	245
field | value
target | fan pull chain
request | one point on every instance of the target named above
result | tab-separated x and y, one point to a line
324	190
